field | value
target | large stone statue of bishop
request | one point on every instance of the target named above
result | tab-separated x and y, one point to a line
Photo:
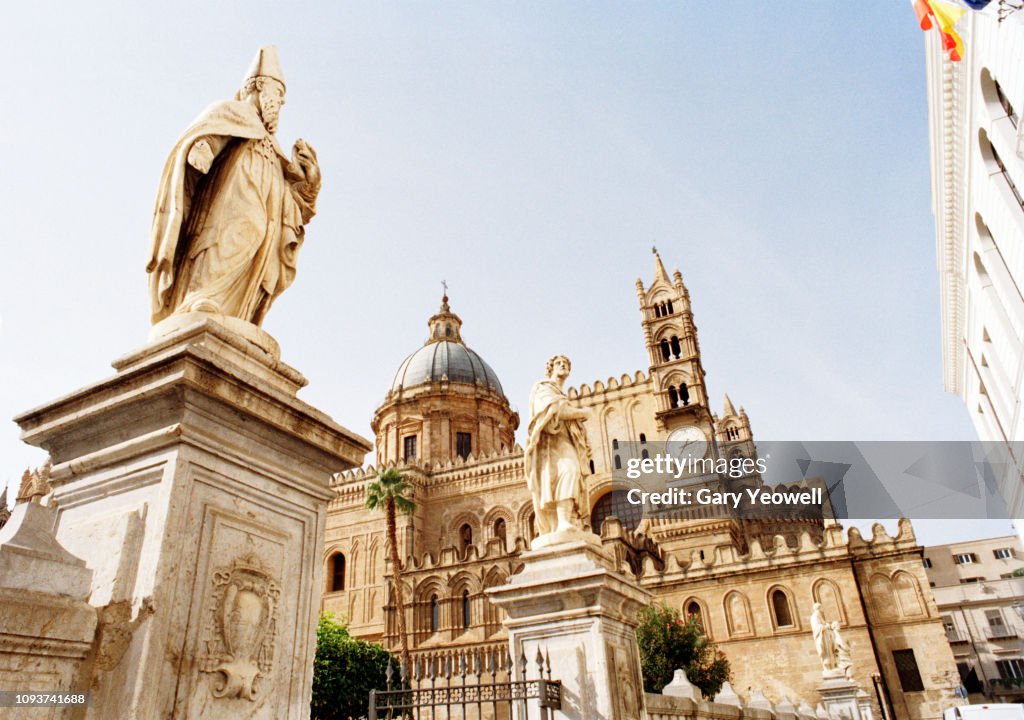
232	206
557	457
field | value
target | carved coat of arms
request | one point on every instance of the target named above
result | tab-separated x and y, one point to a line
242	627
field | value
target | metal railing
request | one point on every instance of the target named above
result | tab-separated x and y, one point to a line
465	685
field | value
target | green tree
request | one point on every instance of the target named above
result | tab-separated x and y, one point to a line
344	672
390	493
668	642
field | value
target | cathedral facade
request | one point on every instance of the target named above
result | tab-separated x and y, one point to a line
447	424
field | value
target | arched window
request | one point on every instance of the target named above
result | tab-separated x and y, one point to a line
670	310
615	443
531	525
465	536
337	571
657	310
448	330
618	462
673	396
616	503
465	609
666	354
693	610
684	394
644	454
643	438
676	349
780	609
499	529
435	614
592	470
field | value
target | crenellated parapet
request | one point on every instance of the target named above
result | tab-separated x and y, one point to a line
881	543
637	381
725	559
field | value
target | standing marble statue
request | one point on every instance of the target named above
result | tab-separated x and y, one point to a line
844	661
557	454
231	208
824	640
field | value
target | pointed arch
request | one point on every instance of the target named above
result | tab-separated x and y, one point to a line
737	614
908	594
883	597
695	607
782	608
826	592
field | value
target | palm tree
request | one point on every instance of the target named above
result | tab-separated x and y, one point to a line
390	493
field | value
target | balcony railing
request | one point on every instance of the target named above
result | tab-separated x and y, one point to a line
955	638
1006	685
1001	633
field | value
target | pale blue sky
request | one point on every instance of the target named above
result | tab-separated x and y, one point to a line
530	154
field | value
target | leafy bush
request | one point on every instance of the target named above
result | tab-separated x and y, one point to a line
668	642
344	672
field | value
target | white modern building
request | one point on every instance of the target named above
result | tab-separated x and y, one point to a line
977	162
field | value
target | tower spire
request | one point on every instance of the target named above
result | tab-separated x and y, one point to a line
659	268
729	409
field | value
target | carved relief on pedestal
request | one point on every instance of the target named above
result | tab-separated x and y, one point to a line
242	627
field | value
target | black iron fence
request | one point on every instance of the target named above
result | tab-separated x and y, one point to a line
469	685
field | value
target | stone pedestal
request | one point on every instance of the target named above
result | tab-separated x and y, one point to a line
46	627
570	603
845	699
194	484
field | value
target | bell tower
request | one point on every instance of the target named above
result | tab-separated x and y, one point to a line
674	352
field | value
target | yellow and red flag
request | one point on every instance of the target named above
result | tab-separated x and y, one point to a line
943	16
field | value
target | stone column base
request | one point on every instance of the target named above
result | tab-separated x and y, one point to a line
569	603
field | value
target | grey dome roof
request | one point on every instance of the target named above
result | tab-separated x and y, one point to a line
444	359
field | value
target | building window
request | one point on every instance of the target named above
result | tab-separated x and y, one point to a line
657	310
965	558
673	396
666	354
465	609
643	439
463	444
996	625
499	530
644	454
927	563
435	614
969	678
337	572
1003	553
1010	669
465	536
971	580
409	448
618	462
906	668
592	471
676	349
693	610
670	310
684	394
615	503
780	608
531	525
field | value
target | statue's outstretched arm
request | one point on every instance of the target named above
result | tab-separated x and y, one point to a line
204	150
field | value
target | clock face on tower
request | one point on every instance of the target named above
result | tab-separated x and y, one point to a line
688	441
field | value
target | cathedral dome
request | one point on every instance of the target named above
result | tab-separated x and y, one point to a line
442	360
444	403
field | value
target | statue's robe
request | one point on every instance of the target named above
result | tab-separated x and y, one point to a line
227	239
557	455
